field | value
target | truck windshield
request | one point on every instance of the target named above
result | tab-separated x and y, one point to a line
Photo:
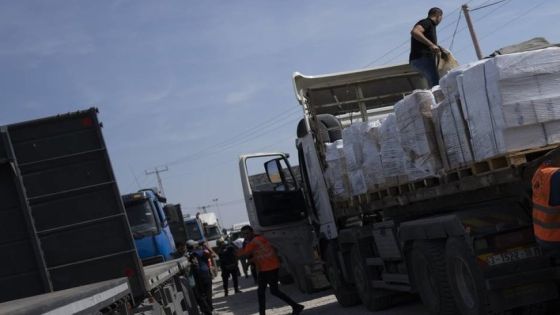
212	233
141	218
193	231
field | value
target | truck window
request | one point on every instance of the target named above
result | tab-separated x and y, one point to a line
279	177
212	233
193	231
141	218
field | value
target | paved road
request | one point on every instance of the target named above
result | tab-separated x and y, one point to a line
323	303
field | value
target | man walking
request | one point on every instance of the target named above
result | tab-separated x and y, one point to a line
424	47
267	263
228	265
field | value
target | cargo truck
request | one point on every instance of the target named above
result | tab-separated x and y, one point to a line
150	226
462	240
64	234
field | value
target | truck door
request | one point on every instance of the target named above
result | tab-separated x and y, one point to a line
277	196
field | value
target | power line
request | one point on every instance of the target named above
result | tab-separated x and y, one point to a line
455	31
485	6
524	13
234	139
220	149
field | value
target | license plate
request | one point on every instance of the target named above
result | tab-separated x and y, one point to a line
513	255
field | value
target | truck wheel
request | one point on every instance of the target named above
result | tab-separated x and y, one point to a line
345	293
373	299
465	278
430	277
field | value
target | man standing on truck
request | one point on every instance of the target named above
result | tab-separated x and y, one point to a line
424	47
267	263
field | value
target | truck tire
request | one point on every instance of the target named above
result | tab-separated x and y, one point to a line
465	278
427	259
346	293
372	298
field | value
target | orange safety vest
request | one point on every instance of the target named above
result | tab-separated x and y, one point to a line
263	254
546	218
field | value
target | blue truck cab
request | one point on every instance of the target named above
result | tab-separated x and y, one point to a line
195	229
149	225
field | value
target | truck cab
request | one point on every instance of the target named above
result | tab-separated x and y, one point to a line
149	225
194	229
277	209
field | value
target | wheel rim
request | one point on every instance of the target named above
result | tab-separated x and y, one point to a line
464	282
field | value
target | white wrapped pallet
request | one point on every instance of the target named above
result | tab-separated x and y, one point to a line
336	173
511	102
352	139
371	150
524	87
392	154
452	134
416	133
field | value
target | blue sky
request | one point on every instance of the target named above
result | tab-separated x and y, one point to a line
194	84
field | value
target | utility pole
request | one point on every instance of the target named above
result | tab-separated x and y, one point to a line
157	171
471	30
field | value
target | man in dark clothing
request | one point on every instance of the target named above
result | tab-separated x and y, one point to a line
201	272
228	265
424	47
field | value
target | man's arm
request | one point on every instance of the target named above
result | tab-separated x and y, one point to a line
418	33
247	250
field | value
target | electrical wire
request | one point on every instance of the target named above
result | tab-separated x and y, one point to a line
455	31
485	6
524	13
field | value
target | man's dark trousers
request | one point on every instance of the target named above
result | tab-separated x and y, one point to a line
226	272
271	278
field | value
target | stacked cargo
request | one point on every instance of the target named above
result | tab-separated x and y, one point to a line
371	156
485	109
337	173
353	140
416	134
510	102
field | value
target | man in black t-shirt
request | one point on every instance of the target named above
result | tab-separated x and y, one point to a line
424	47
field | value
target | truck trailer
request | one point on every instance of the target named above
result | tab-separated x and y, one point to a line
461	239
64	233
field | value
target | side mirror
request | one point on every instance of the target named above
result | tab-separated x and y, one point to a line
273	172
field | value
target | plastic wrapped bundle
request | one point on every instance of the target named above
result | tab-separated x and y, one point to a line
523	87
452	135
510	102
371	150
416	133
336	173
392	155
352	138
448	83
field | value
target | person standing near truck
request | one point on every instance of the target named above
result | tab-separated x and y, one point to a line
228	265
268	264
424	47
203	277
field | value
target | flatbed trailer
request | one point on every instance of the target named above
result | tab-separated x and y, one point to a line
111	295
63	225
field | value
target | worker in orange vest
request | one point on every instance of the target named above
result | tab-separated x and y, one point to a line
546	207
267	263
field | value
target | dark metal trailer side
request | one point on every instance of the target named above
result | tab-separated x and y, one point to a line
62	222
